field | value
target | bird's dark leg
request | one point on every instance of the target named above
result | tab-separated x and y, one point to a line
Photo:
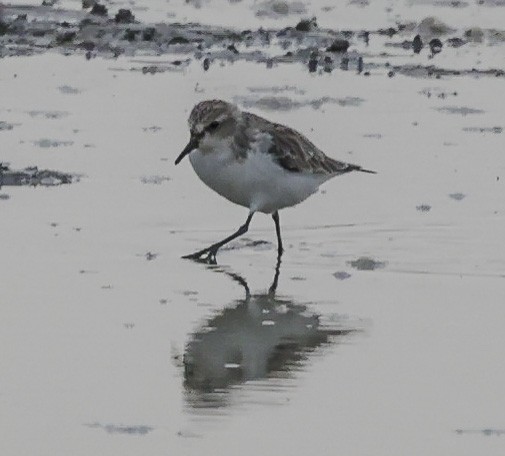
212	250
275	216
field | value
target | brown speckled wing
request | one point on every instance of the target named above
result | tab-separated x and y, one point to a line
295	153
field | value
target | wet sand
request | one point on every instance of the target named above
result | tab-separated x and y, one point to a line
384	333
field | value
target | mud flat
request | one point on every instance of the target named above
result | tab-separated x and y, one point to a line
381	330
29	30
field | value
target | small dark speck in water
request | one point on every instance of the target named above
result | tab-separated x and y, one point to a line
150	256
189	293
462	110
486	432
49	114
423	208
156	180
68	90
122	429
366	264
457	196
4	196
298	278
153	129
341	275
129	325
163	301
46	143
495	130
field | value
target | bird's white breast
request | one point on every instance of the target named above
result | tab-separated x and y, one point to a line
256	182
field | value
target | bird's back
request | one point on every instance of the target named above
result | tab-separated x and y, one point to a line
293	151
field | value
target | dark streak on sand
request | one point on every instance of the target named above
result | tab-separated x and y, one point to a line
122	429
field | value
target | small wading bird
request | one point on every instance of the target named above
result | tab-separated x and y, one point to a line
255	163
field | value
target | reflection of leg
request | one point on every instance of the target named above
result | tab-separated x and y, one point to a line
212	250
275	216
239	279
273	287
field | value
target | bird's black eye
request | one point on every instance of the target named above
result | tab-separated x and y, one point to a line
213	125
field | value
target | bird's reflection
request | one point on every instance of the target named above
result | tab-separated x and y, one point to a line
258	337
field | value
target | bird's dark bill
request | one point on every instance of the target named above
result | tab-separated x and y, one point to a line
192	145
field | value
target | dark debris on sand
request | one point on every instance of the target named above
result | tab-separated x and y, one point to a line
99	31
34	177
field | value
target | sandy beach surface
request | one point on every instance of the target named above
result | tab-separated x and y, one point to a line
384	335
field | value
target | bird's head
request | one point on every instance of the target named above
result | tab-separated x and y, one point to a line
210	123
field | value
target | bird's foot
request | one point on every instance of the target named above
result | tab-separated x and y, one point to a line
207	256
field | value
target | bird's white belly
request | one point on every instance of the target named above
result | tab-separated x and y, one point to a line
256	182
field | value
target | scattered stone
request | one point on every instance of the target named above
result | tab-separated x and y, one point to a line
457	196
435	46
360	65
131	35
150	256
178	40
313	62
455	42
68	90
124	16
366	264
4	196
475	35
341	275
99	10
206	63
307	25
338	46
423	208
88	4
148	34
388	32
417	44
431	27
233	49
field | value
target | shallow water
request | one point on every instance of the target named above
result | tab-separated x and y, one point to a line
384	334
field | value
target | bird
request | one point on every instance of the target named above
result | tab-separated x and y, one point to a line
255	163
